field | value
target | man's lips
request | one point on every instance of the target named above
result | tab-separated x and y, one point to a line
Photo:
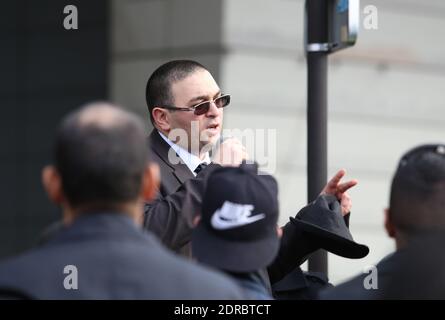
213	129
213	126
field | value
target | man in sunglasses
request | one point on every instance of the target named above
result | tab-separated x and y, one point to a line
186	109
415	219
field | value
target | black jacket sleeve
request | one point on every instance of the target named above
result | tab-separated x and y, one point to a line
296	245
171	217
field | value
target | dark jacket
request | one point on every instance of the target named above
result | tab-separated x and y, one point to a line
253	285
300	285
114	259
179	198
354	289
414	272
170	216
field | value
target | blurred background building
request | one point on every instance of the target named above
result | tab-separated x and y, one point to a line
385	94
45	71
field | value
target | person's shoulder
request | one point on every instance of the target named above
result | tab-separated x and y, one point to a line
201	281
23	269
156	273
343	291
215	280
178	277
22	260
364	286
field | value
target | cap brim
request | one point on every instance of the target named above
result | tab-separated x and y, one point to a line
333	242
234	256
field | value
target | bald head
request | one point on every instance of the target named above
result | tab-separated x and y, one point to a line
101	155
103	115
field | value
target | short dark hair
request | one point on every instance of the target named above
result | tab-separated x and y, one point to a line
158	89
417	201
101	162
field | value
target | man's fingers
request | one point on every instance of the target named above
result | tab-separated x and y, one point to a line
345	186
230	153
346	204
334	187
336	179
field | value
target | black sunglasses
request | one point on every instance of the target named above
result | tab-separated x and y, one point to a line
203	107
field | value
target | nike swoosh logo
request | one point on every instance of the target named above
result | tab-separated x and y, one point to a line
240	213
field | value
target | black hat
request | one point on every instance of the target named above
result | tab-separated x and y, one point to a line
325	224
238	227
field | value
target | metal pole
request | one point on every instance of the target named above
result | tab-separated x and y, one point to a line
317	67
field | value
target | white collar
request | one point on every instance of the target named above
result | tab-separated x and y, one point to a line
192	161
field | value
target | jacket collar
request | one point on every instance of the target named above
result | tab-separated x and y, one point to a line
161	148
192	161
93	225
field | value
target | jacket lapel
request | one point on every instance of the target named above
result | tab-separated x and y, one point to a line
182	172
161	148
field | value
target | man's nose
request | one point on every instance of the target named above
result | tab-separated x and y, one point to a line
213	110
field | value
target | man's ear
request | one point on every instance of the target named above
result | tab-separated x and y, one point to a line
52	183
150	182
161	119
389	226
279	232
196	220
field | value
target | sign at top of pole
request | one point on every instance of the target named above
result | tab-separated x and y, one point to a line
343	18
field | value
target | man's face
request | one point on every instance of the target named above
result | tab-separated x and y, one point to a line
196	88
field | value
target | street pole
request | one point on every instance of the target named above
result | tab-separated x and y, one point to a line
317	68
